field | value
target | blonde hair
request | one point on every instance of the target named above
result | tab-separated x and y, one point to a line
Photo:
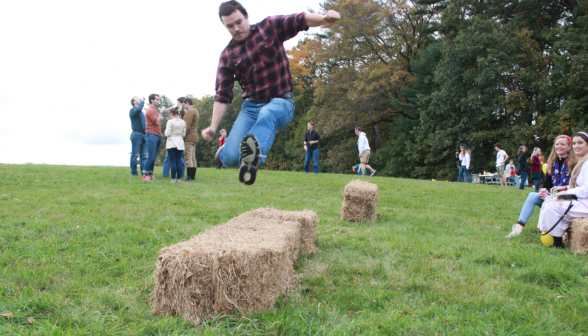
581	160
572	157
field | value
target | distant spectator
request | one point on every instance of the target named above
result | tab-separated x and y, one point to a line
510	168
501	158
311	147
363	147
536	168
175	130
152	135
166	163
191	118
464	157
139	146
523	168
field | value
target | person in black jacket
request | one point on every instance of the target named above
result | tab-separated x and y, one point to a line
311	140
522	165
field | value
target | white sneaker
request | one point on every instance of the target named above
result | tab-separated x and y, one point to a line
516	230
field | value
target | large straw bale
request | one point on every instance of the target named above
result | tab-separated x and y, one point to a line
243	265
307	219
359	204
577	236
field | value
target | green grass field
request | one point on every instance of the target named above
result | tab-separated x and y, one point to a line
78	248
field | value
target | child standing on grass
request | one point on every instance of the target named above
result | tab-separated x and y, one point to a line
222	139
175	131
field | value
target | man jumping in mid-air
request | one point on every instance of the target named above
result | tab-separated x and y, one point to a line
256	58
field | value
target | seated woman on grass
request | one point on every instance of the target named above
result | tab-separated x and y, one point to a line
552	210
560	164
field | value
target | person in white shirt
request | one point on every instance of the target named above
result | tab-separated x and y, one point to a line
555	209
364	149
175	131
509	168
501	158
465	157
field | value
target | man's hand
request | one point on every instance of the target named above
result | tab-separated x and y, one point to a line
162	109
208	133
305	148
332	16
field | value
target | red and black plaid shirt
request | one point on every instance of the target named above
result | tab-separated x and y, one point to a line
260	64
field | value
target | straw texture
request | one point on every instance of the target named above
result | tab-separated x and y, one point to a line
308	222
242	265
577	236
360	200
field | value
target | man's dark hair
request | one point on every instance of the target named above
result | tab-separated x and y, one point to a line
152	97
189	101
498	145
311	124
133	100
358	129
181	99
228	7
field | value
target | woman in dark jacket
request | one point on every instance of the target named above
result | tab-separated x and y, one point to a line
522	165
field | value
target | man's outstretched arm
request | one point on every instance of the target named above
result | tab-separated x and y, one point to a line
218	111
316	20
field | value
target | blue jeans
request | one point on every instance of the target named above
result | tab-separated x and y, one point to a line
153	143
464	170
523	179
315	155
166	166
139	147
532	200
175	159
263	121
538	182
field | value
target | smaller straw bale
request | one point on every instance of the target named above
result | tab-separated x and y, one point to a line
577	236
308	222
359	204
242	265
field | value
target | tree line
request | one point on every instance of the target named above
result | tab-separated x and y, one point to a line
420	77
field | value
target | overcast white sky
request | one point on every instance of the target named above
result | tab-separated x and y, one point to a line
68	69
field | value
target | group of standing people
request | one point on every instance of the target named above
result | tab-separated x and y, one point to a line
565	189
181	137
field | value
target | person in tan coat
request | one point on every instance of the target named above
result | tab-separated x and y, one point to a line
191	119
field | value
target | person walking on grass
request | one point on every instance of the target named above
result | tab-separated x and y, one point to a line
357	169
363	147
560	164
166	163
564	211
175	131
536	167
523	168
191	118
222	139
256	58
311	147
152	135
138	144
464	157
501	158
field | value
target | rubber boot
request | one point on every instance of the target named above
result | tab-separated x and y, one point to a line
194	173
188	174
